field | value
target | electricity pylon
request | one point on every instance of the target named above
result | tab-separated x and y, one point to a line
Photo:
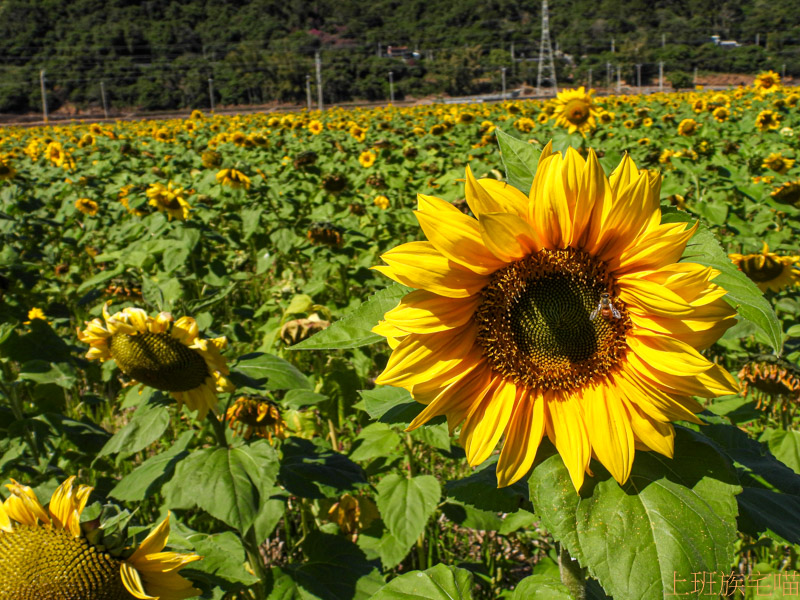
547	68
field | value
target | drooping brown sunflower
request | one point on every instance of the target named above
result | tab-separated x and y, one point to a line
768	270
47	554
250	416
778	163
776	387
788	193
563	314
166	355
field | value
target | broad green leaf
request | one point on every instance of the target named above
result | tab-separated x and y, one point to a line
148	423
407	504
672	516
546	586
261	371
376	439
223	559
470	517
480	490
231	483
84	434
147	477
309	471
743	294
101	277
436	435
785	445
441	582
391	405
519	159
354	330
41	371
273	509
334	569
765	512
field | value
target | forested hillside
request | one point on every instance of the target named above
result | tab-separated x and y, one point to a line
161	54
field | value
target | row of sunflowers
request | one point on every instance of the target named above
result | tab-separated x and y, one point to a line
199	330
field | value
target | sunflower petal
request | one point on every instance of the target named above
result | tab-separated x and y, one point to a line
566	428
523	436
487	420
612	436
508	236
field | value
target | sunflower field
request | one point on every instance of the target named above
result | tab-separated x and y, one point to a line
528	349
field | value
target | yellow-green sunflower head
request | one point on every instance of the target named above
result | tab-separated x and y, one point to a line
162	353
575	110
48	554
563	312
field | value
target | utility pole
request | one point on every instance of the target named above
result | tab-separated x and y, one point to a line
103	98
391	87
308	91
211	93
44	96
608	75
613	41
546	63
318	63
783	71
503	75
663	39
694	77
590	77
619	81
758	39
638	75
512	52
661	76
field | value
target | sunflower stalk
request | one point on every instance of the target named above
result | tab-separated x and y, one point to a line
255	561
219	430
572	575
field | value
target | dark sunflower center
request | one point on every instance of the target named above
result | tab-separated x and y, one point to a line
159	360
544	321
762	268
40	563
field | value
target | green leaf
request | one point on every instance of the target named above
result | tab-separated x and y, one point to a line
223	559
41	371
672	516
785	445
743	294
391	405
101	277
334	569
480	490
441	582
231	483
545	586
310	471
260	371
519	159
376	439
765	512
148	423
407	504
354	330
145	479
470	517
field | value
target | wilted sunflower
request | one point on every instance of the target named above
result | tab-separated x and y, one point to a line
233	178
768	270
768	119
788	193
170	199
157	352
47	554
778	163
767	82
353	513
565	314
575	110
256	416
776	387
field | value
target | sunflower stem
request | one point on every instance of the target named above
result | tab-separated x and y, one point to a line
219	430
572	575
255	560
409	448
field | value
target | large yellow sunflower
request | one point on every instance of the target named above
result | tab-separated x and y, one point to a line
170	199
575	110
46	554
563	314
767	82
165	355
768	270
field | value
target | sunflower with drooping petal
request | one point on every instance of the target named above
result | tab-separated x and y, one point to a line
575	110
778	163
767	82
250	416
233	178
775	386
87	206
564	313
768	120
169	199
768	270
166	355
47	554
788	193
688	127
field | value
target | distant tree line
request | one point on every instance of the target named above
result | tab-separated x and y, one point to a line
161	54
